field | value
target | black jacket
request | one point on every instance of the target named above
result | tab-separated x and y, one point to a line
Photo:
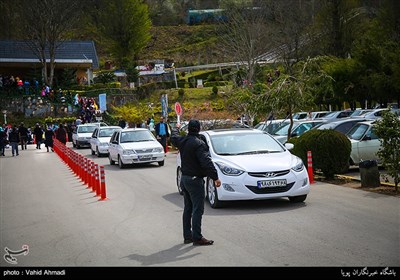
195	155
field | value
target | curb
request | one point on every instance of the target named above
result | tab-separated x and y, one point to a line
359	180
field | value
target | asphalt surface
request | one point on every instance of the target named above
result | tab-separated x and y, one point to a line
45	206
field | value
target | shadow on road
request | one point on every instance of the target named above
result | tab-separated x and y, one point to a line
245	207
173	254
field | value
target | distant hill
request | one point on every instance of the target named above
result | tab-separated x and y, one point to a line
185	45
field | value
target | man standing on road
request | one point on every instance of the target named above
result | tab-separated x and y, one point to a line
162	133
195	164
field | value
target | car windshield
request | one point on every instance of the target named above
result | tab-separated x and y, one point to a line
357	132
107	132
86	129
244	144
136	136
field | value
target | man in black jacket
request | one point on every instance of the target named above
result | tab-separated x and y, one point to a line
196	164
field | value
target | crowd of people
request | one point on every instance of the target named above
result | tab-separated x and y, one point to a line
11	136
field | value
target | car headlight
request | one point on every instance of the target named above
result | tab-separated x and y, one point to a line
228	170
128	152
298	165
158	150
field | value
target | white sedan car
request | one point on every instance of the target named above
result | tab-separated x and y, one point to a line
82	134
135	145
252	165
100	139
364	143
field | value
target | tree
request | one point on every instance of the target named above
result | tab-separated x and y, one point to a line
295	92
388	131
46	23
246	35
125	24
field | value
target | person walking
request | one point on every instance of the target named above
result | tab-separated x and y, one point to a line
162	133
196	164
23	135
48	138
61	134
38	132
13	137
3	140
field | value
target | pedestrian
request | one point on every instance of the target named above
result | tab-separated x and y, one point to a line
48	138
196	164
38	132
61	134
3	141
162	133
13	137
23	135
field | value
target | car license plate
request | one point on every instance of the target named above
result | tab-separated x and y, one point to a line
271	183
144	157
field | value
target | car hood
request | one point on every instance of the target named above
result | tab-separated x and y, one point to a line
259	162
141	145
104	139
84	134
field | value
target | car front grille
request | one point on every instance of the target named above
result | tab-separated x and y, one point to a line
144	151
269	174
266	190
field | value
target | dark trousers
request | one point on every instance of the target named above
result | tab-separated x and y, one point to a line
14	148
193	196
163	142
23	142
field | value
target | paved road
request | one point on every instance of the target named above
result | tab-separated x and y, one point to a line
44	206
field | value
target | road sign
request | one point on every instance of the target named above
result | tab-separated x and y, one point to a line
178	109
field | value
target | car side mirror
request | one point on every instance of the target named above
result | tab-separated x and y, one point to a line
366	138
294	134
289	146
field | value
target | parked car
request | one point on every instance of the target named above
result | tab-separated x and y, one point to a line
377	113
133	146
82	134
342	126
252	165
100	139
271	125
336	115
298	129
364	142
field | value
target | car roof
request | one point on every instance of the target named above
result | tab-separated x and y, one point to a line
134	129
232	130
108	127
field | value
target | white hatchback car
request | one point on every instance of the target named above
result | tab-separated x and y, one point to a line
135	145
252	165
100	139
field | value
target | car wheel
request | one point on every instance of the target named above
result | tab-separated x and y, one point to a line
179	180
92	151
97	152
297	199
111	161
120	163
212	194
161	163
73	144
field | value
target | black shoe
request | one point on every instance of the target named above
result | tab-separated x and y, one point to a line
203	242
188	241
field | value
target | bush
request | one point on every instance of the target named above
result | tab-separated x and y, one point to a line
330	150
214	91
